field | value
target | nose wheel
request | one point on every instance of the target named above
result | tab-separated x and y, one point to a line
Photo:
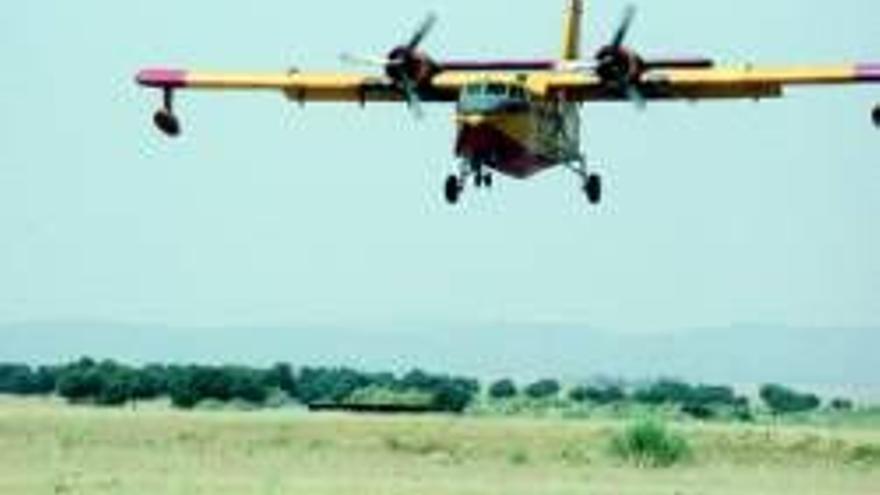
593	189
453	189
164	118
483	180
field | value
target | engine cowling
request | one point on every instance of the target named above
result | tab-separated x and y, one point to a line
409	65
619	65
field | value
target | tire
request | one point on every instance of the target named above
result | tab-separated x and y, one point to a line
875	116
593	189
452	190
167	123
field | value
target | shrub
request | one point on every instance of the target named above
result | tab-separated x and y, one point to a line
649	443
503	389
608	394
782	400
543	389
841	404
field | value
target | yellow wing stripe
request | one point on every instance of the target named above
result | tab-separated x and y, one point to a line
302	87
782	76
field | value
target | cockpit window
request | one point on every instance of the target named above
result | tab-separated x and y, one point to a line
517	93
493	97
496	90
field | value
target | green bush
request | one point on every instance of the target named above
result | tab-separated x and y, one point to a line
601	395
649	443
783	400
503	389
543	389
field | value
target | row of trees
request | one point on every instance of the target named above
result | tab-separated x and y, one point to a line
111	383
698	400
701	401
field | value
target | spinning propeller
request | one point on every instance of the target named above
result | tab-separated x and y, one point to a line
620	67
408	67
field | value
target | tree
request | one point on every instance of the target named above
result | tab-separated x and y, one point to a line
78	384
664	391
503	389
183	388
783	400
281	376
578	394
601	395
453	394
841	404
328	385
543	389
16	379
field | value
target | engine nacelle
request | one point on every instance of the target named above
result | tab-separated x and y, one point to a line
875	115
412	65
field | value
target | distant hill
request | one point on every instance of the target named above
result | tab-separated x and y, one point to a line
738	355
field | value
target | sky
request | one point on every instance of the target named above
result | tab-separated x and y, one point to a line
715	214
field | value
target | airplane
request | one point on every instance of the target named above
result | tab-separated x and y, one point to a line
516	117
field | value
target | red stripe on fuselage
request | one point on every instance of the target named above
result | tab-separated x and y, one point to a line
492	147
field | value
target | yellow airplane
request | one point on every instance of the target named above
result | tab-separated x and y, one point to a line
517	117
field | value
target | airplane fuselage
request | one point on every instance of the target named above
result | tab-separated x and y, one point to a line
501	127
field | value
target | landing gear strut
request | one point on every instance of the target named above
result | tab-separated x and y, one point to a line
164	118
455	184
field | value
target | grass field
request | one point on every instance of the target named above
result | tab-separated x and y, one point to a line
49	448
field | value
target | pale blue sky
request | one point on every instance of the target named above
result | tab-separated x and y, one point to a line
716	214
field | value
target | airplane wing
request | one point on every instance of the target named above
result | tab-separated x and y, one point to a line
300	87
662	84
696	84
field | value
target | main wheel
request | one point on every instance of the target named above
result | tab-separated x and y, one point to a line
452	190
487	181
875	115
593	189
167	122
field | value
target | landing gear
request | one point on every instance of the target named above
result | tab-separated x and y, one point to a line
453	189
164	118
167	123
875	115
456	183
593	188
592	183
483	180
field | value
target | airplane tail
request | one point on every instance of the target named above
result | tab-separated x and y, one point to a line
571	31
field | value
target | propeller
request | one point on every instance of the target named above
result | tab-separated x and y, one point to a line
405	65
619	66
629	15
422	32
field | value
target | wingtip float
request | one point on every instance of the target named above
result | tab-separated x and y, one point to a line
517	117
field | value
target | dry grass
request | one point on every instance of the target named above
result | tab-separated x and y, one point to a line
47	448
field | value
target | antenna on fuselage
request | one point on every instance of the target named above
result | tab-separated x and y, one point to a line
571	30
